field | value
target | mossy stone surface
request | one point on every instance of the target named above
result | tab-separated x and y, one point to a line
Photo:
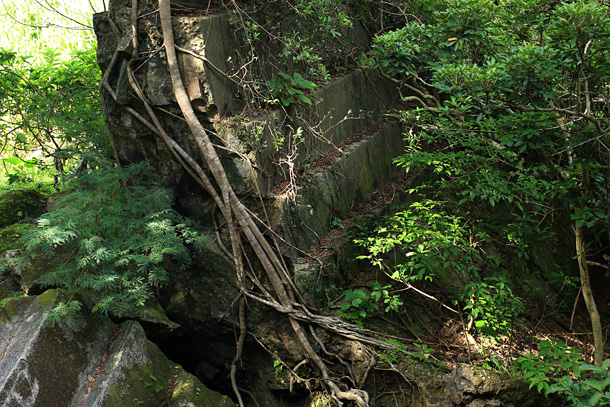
9	237
137	373
10	307
88	362
18	205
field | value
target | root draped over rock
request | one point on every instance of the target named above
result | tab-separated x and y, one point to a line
239	221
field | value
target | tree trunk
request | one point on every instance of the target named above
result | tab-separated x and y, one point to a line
587	294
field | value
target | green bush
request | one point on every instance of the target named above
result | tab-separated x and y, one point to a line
559	368
491	305
112	239
50	113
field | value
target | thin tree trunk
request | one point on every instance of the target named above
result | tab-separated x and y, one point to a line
598	338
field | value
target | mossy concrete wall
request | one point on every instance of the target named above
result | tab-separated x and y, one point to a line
333	192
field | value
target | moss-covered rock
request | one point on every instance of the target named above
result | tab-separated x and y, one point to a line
89	362
18	281
19	205
9	237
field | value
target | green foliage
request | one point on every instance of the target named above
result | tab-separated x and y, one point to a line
64	311
514	124
337	223
424	242
491	305
31	27
559	368
52	107
113	239
316	38
511	125
49	102
389	357
554	360
313	45
290	89
424	352
278	366
391	301
421	354
430	239
359	303
590	390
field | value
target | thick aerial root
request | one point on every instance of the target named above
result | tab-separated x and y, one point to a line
240	223
273	267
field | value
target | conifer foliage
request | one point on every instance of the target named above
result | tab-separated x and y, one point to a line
112	238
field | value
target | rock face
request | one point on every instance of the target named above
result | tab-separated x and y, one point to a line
91	362
477	387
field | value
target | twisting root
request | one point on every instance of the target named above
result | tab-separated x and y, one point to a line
239	221
274	268
240	347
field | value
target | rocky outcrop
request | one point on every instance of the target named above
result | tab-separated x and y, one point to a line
87	361
472	386
309	166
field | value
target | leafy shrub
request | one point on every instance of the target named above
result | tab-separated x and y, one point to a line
592	388
559	368
428	239
358	304
113	239
50	109
553	361
290	89
391	301
491	305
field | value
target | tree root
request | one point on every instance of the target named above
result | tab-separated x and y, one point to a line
240	221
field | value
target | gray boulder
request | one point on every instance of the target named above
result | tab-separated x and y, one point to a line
90	362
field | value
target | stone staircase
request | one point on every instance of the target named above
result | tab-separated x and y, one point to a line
338	171
339	162
311	164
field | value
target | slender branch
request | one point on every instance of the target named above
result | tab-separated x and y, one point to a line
207	61
567	112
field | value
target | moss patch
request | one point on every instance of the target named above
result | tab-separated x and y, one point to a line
190	390
19	205
47	298
12	306
142	384
9	237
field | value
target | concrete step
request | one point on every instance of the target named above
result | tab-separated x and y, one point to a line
325	196
333	260
279	141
